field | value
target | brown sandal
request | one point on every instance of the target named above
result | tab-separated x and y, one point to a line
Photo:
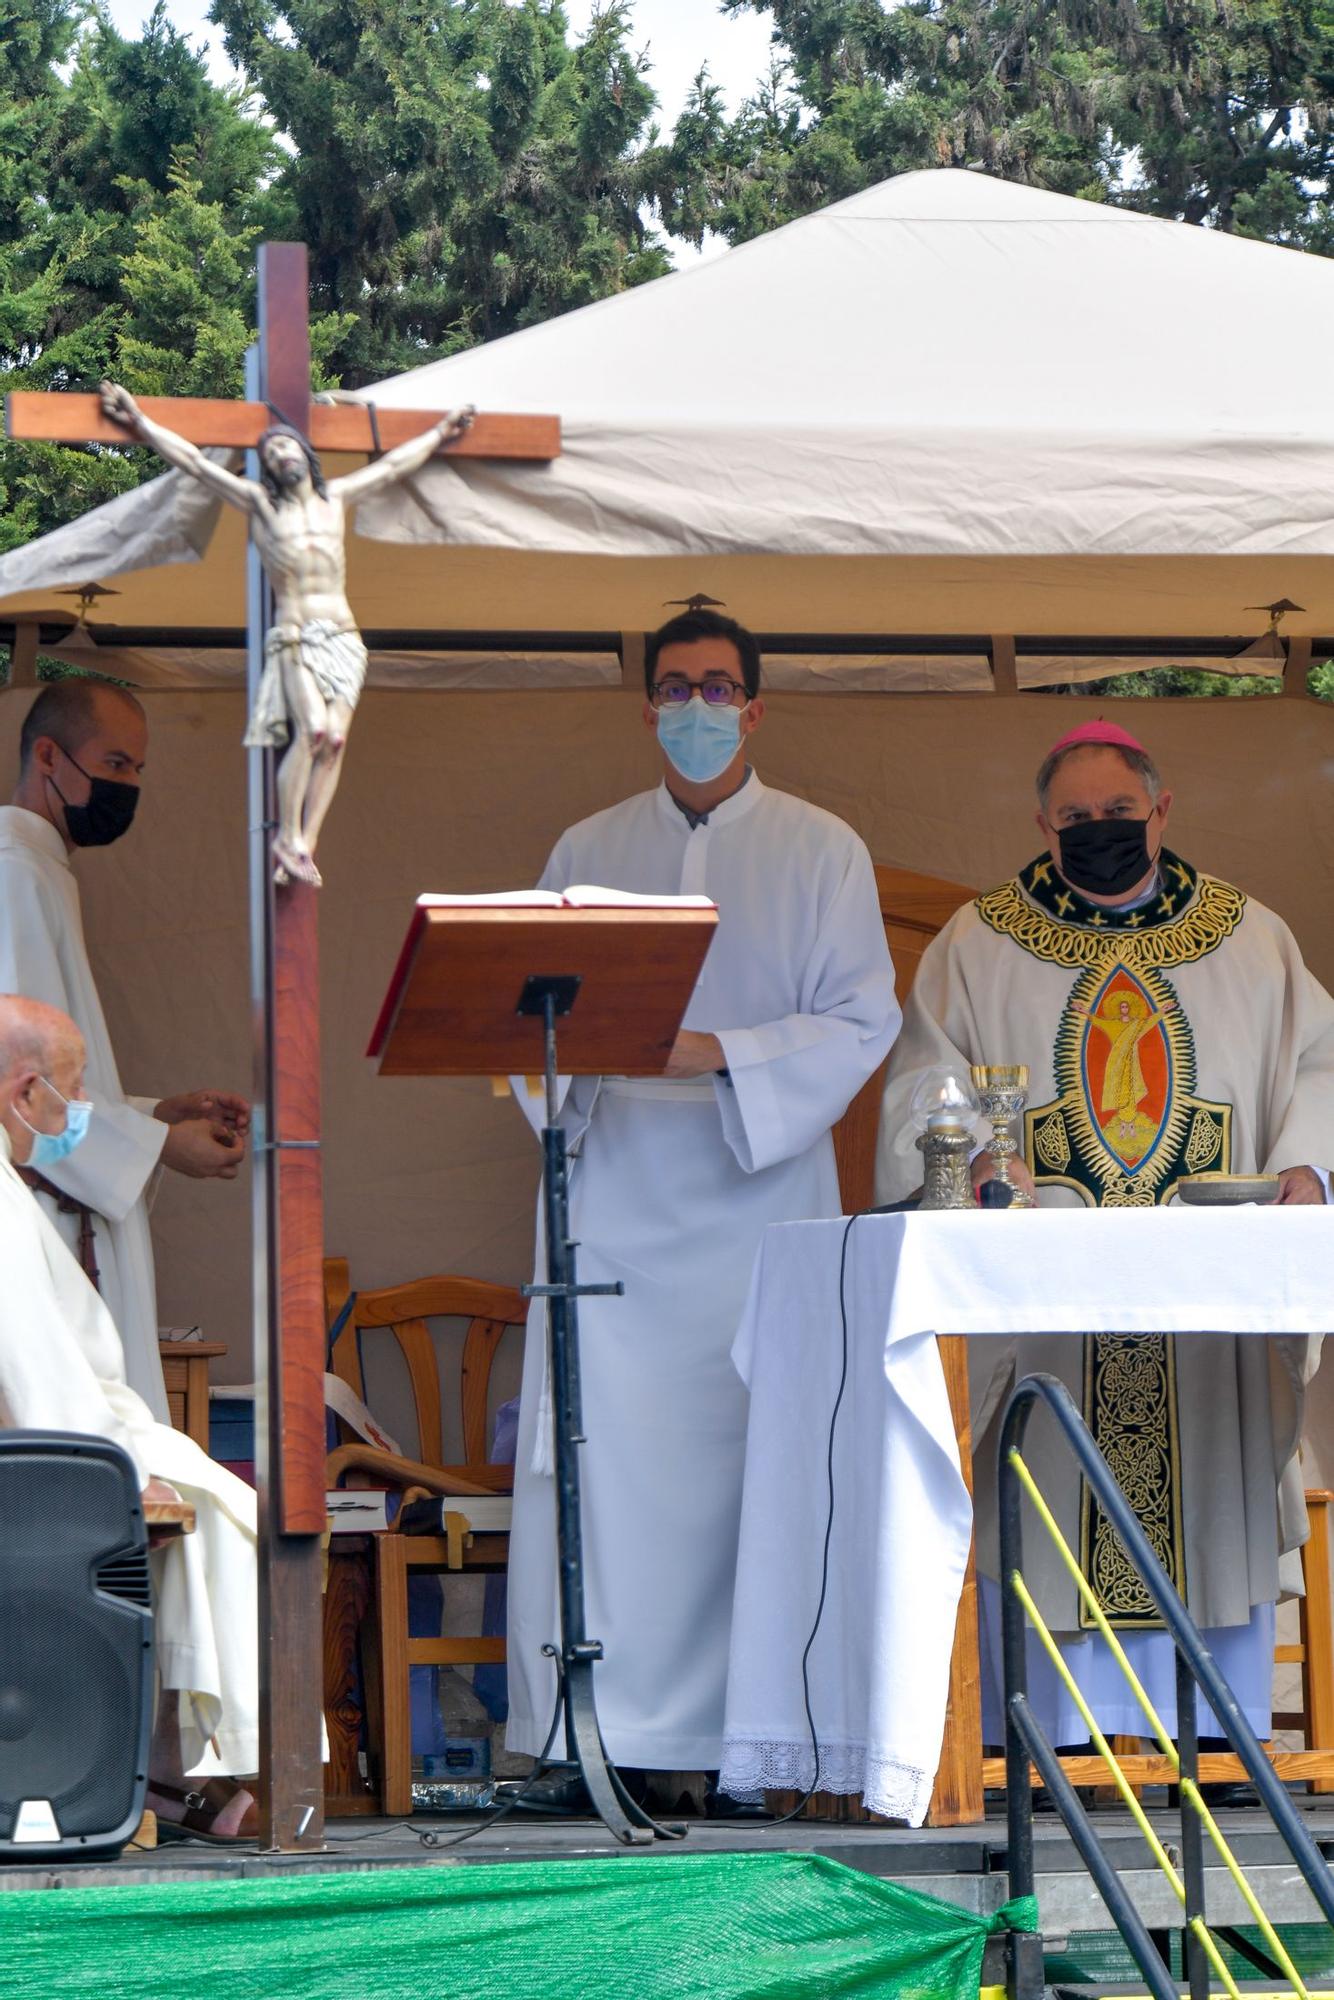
203	1807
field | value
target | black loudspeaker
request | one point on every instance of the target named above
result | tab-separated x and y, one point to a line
76	1647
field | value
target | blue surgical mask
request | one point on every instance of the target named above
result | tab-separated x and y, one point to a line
48	1148
700	741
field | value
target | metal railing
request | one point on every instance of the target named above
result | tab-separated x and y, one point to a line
1027	1747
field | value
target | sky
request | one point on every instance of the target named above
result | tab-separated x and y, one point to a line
677	33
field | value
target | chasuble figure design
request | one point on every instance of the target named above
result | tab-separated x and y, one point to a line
1126	1123
1129	1083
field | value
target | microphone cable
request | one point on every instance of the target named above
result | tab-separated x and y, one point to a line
806	1797
992	1194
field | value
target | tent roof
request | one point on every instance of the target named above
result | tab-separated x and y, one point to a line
942	297
948	405
945	364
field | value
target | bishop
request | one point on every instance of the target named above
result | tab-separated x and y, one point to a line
1170	1027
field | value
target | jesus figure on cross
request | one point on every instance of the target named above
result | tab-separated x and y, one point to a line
314	658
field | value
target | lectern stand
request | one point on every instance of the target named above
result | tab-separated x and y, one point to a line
478	990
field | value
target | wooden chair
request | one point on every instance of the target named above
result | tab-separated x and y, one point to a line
913	908
1314	1651
389	1653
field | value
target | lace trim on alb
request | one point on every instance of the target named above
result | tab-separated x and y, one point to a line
888	1786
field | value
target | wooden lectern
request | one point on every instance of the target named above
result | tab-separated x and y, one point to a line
452	1008
478	989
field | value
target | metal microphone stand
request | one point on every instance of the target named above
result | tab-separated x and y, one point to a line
584	1749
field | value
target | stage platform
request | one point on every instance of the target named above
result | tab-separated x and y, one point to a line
960	1865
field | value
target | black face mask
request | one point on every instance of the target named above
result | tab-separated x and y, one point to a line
1105	857
107	814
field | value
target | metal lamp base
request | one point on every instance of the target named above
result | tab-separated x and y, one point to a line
946	1182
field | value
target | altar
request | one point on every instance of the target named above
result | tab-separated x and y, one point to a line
851	1435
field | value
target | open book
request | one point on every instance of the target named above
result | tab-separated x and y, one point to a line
507	935
584	896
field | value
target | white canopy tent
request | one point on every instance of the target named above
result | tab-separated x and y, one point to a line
898	436
946	408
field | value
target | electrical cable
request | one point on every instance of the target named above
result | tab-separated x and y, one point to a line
885	1208
811	1789
428	1837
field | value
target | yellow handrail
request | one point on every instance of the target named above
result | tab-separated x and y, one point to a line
1190	1791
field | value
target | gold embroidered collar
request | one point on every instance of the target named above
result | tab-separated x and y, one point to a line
1190	918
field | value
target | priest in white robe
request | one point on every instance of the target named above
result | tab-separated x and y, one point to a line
81	758
1169	1027
675	1181
61	1370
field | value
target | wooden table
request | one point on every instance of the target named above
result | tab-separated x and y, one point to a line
185	1373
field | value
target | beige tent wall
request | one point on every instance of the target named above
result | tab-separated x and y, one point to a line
468	791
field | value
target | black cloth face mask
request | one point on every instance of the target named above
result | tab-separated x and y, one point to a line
106	816
1105	857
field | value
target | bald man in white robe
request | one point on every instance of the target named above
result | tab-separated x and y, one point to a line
61	1369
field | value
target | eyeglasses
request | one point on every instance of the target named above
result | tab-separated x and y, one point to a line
716	690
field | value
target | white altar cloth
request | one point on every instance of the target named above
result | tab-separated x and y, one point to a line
879	1666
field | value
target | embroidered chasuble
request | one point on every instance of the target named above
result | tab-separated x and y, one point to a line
1181	1036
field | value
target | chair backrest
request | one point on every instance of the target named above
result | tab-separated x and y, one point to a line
404	1311
914	908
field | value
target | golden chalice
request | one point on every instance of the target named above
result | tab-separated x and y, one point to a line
1002	1092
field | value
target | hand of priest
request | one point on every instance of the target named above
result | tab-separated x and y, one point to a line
984	1169
204	1148
695	1055
1300	1186
219	1105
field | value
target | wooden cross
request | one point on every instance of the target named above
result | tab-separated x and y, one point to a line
288	1241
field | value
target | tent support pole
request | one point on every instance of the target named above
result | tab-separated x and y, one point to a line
1297	668
288	1239
1004	671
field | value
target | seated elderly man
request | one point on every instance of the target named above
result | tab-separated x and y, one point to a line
62	1369
1169	1027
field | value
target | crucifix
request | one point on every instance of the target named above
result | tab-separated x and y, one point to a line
288	1238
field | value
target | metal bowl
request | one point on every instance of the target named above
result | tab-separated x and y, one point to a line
1226	1190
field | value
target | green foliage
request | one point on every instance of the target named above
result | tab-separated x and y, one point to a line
1178	681
132	192
458	169
1185	680
1211	111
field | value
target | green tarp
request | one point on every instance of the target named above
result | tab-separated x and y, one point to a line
707	1927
